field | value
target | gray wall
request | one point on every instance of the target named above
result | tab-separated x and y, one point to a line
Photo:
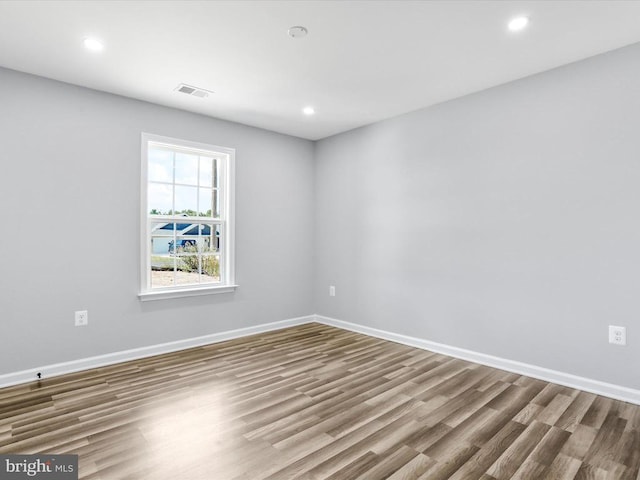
506	222
71	176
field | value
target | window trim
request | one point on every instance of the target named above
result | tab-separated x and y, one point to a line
227	281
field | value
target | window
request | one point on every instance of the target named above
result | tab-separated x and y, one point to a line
187	218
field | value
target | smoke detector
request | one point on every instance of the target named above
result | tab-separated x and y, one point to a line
193	91
297	32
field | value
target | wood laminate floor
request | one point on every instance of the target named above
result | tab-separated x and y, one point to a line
316	402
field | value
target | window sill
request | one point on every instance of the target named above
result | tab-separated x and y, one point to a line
187	292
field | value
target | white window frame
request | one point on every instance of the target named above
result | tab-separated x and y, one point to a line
227	219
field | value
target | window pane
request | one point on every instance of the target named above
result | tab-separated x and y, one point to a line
160	165
206	171
162	235
205	198
186	200
209	238
210	272
188	267
186	169
160	199
163	278
162	260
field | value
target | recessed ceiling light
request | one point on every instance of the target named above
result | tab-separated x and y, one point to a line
93	44
518	23
297	32
308	110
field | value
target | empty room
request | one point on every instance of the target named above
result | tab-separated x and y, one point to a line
330	240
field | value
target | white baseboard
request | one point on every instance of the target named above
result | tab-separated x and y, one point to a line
594	386
581	383
54	370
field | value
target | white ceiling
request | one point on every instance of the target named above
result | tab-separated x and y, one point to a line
362	61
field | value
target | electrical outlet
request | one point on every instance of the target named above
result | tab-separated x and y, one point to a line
617	335
332	291
82	318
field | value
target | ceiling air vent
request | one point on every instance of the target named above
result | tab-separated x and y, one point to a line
193	91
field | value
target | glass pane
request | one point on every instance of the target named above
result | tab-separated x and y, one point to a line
162	261
186	200
160	165
188	267
205	198
209	238
186	169
210	271
206	171
162	235
159	199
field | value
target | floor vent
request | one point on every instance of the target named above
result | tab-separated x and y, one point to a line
193	91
